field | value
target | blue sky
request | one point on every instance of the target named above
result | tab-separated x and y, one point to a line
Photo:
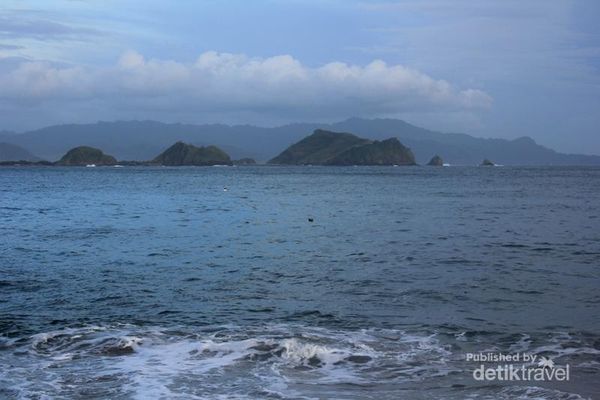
488	68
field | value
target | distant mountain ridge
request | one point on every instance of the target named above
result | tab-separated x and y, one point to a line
13	152
142	140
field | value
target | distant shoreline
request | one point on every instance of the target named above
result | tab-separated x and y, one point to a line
30	164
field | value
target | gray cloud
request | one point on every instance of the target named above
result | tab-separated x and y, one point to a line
233	83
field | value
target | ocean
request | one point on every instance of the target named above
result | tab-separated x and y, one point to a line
268	282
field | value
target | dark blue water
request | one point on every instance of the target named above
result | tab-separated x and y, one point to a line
212	282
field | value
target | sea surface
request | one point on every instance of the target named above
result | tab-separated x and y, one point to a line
296	282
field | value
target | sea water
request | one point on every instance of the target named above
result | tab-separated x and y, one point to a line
296	282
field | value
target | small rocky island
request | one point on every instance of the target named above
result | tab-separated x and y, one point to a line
85	155
436	161
336	148
186	154
244	161
487	163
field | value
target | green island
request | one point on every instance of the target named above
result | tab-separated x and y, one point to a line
338	148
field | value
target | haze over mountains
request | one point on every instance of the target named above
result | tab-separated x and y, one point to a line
12	152
142	140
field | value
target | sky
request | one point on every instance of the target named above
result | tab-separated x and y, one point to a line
488	68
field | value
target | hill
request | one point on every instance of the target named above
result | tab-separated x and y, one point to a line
318	148
385	152
84	155
336	148
186	154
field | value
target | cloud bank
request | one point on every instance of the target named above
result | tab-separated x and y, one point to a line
233	83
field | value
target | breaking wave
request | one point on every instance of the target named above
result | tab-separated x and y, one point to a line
277	361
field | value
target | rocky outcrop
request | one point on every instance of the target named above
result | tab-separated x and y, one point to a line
244	161
436	161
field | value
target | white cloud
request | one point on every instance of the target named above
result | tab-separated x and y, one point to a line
233	83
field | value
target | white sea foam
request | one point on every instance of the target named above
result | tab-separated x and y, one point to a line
280	361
